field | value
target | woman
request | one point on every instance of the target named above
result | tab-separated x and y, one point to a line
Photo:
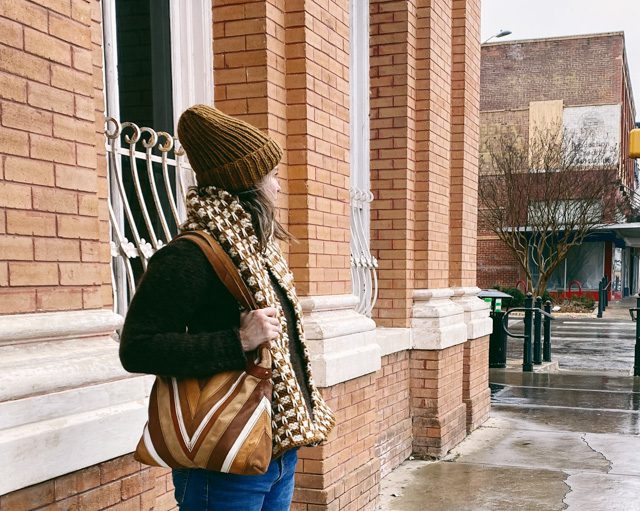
183	322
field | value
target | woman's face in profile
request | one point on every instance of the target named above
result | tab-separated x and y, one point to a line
270	185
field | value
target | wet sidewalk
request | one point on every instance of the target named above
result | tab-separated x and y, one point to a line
553	442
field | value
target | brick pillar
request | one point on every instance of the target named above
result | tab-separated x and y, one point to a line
393	159
249	72
465	97
464	203
433	142
475	383
344	472
284	67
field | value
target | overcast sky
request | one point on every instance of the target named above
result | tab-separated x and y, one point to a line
529	19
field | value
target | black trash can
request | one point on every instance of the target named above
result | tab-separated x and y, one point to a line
498	338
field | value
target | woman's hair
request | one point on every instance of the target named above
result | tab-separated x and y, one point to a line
263	214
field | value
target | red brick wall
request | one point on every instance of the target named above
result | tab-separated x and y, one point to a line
344	472
392	123
433	142
318	133
496	264
580	70
465	97
249	72
439	414
53	221
475	382
394	442
121	484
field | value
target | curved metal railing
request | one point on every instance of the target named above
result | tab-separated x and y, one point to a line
144	211
364	277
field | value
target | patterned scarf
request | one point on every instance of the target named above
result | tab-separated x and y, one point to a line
220	214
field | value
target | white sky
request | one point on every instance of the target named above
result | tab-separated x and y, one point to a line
529	19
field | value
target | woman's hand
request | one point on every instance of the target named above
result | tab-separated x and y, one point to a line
258	327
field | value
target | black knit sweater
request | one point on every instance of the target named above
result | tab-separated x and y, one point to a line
184	322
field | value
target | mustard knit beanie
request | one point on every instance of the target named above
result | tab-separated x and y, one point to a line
224	151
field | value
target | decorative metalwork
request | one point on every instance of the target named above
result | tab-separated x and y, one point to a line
364	276
142	207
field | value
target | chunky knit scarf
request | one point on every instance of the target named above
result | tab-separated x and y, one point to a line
219	213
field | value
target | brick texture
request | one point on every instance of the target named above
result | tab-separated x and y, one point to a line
317	94
51	111
439	414
393	159
394	443
121	484
475	383
465	101
343	473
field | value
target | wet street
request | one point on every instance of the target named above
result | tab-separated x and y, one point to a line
554	441
586	344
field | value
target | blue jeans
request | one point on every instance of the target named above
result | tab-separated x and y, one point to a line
204	490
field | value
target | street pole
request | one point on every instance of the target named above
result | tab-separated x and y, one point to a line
636	360
527	365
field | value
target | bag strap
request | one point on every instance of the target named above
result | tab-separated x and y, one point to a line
223	266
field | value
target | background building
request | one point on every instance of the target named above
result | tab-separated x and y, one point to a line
577	81
79	216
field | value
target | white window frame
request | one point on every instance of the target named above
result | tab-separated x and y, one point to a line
191	27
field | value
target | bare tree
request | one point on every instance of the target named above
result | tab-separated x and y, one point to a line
544	195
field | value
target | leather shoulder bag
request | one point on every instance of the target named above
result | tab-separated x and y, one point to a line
220	423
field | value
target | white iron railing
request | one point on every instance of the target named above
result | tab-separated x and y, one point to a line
363	265
159	204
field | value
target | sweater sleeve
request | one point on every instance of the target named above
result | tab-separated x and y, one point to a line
155	339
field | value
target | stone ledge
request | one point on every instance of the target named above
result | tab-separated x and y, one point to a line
476	311
437	322
66	403
342	343
393	340
21	328
43	437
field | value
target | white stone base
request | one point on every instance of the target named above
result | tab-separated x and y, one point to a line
65	401
476	311
342	343
437	322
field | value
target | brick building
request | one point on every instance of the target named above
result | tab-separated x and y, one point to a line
376	105
575	81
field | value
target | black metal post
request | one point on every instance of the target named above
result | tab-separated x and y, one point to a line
527	354
600	304
546	347
636	360
497	342
537	332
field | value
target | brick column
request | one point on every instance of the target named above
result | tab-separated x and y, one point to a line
475	383
393	158
412	131
249	72
465	97
344	472
284	68
464	203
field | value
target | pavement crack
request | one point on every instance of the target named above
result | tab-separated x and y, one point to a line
569	490
584	439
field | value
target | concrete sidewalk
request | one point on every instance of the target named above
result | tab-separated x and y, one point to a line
553	442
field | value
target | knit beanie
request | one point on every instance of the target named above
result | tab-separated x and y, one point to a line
224	151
